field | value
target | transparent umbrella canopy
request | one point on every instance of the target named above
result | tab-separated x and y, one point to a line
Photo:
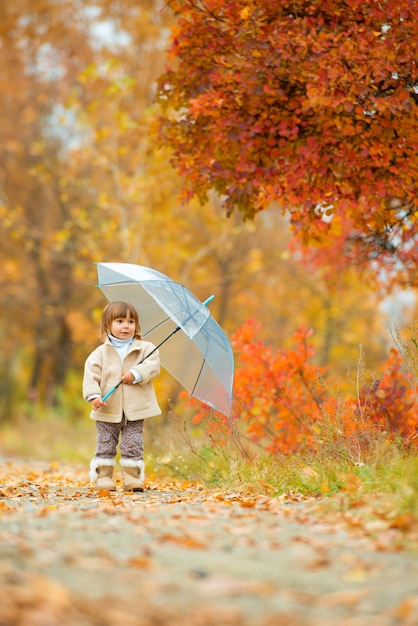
193	347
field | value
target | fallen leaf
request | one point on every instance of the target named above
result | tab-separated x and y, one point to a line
405	521
407	611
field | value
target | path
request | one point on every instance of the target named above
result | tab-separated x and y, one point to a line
180	554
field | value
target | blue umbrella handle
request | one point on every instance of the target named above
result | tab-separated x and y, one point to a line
109	393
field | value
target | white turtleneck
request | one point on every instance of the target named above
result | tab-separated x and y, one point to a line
122	347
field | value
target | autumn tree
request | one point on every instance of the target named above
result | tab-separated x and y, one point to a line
52	196
31	198
310	104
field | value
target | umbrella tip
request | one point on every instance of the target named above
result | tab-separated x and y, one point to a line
206	302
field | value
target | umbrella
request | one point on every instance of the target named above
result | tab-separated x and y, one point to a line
193	347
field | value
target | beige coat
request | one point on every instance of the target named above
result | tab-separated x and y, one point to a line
103	370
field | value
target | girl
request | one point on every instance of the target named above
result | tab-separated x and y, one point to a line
121	358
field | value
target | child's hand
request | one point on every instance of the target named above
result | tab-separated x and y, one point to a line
128	378
96	403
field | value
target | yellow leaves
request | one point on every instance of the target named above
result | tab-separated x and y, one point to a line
407	611
324	487
103	133
404	521
141	562
46	510
351	483
185	540
60	239
314	97
335	226
3	506
245	13
37	148
255	262
88	74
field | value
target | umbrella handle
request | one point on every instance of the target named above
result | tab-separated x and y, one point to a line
109	393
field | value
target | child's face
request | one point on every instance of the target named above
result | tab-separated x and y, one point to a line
123	328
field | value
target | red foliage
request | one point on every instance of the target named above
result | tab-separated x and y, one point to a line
276	388
310	105
284	401
391	405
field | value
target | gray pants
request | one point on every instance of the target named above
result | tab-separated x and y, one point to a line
131	439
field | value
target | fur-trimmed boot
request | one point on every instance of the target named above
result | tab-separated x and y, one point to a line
101	472
133	474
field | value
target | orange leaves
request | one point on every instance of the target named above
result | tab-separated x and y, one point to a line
342	78
286	404
276	389
391	404
185	540
273	390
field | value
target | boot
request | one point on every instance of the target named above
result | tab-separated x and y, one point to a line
133	474
101	472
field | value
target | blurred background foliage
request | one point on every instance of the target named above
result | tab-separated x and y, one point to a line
82	180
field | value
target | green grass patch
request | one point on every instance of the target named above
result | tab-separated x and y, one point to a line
385	467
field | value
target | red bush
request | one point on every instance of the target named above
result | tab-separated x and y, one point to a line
283	401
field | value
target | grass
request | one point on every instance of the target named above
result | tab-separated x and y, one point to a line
50	437
387	468
407	344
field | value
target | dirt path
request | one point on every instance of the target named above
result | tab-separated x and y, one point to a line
180	554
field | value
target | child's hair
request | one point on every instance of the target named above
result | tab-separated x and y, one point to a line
117	310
